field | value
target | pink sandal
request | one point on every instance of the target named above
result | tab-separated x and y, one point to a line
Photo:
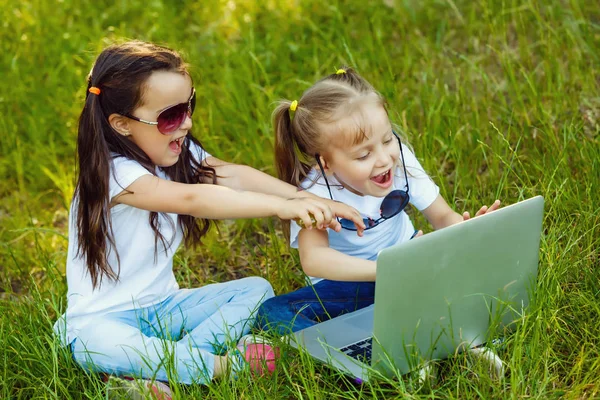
258	354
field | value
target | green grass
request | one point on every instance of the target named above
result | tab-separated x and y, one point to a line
500	99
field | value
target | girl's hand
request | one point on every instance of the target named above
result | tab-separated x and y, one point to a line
308	212
483	210
327	212
342	210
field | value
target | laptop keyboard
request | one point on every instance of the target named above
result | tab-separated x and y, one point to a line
359	350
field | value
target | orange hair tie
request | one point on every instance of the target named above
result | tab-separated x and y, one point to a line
94	90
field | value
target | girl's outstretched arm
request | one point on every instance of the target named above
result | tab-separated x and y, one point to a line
243	177
218	202
321	261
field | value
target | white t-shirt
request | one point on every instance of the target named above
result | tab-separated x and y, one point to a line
397	229
145	278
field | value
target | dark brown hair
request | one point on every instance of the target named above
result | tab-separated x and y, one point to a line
121	72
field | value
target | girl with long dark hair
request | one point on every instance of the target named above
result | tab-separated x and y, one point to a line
145	185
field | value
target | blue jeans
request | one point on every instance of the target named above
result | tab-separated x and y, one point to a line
175	339
312	304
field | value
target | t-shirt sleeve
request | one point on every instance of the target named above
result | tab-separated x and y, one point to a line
316	189
198	152
422	190
123	173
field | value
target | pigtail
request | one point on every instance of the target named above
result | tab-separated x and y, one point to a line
92	190
290	167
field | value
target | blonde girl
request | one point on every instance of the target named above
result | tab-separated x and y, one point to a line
338	143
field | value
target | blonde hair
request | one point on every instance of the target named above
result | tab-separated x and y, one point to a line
298	132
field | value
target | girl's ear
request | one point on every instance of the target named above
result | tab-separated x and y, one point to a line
119	123
326	166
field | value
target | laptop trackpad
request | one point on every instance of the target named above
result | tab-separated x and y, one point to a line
362	319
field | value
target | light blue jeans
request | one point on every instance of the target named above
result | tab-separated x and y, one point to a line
176	339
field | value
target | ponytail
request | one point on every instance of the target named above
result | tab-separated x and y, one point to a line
288	147
290	168
92	190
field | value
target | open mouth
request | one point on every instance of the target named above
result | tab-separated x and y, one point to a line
175	145
384	179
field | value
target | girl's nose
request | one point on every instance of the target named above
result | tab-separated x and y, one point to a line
187	123
382	157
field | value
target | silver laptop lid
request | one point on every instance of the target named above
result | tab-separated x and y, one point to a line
446	289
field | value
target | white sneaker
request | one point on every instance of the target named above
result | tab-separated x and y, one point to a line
488	356
424	376
136	389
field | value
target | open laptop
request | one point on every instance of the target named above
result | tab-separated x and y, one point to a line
437	294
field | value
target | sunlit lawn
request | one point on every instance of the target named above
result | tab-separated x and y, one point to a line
500	99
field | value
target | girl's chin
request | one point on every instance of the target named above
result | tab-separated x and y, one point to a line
168	162
379	189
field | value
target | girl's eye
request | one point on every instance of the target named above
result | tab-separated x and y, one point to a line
363	157
388	141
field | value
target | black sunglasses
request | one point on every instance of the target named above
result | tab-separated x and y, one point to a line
172	118
392	204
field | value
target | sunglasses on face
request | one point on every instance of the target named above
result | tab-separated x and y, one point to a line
172	118
392	204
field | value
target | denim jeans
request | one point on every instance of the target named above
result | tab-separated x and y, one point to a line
175	339
312	304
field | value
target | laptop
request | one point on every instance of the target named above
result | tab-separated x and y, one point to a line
437	295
